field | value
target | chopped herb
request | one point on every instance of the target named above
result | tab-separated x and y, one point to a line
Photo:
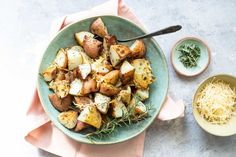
189	55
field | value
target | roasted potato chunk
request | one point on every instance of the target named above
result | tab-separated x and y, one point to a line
102	102
142	74
112	77
61	59
74	58
76	87
142	94
126	72
61	88
68	119
98	28
61	104
91	116
118	109
92	47
100	66
84	70
139	107
50	73
125	95
108	89
89	86
138	49
80	126
79	37
82	101
118	53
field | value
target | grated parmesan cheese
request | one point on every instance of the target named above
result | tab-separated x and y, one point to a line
216	102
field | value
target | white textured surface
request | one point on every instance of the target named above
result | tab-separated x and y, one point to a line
25	26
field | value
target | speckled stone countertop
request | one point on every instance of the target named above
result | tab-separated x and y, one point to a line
25	24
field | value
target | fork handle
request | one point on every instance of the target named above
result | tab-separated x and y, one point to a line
167	30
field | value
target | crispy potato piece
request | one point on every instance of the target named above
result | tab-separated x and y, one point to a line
108	89
89	86
91	116
80	37
118	109
125	95
61	59
61	88
102	102
68	119
61	104
100	66
50	73
76	87
142	94
112	77
80	126
74	58
118	53
109	40
126	72
138	49
143	76
107	65
82	101
98	28
92	47
60	75
84	70
139	107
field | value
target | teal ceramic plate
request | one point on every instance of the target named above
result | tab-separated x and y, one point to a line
202	63
122	28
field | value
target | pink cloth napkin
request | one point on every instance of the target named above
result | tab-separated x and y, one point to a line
43	134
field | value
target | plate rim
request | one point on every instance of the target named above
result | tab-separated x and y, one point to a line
100	142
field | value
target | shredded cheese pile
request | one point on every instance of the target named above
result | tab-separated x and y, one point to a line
216	102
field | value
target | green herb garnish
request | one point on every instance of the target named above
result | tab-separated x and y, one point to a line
189	55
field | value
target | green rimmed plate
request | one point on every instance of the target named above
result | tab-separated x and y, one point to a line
122	28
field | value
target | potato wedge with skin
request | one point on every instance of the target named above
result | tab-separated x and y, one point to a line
60	75
139	107
118	109
76	87
138	49
80	126
61	88
100	66
61	104
50	73
82	101
68	119
143	76
142	94
126	72
102	102
99	28
118	53
89	86
108	89
61	59
91	116
92	47
125	95
74	59
80	36
112	77
84	70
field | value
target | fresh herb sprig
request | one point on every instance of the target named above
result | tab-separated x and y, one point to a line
189	55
